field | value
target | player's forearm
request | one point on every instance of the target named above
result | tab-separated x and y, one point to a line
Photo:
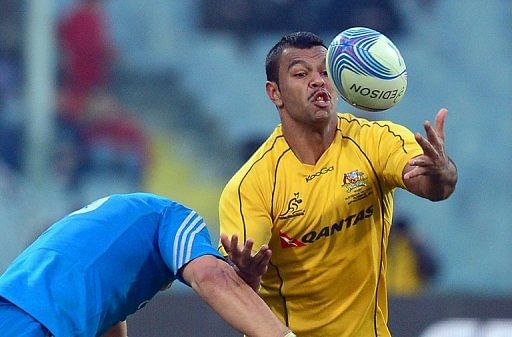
118	330
235	301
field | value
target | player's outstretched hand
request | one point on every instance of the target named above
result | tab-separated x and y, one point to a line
434	164
249	266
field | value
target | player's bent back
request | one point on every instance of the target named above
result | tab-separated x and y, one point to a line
103	262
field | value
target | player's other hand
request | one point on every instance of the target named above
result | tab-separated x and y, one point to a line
434	160
249	266
433	174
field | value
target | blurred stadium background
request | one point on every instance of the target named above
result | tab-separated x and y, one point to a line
167	96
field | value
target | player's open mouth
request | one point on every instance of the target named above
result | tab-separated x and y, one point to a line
321	98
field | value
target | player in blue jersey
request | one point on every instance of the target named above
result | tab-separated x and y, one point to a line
90	270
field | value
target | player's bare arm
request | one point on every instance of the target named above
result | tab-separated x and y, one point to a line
248	265
432	175
118	330
219	285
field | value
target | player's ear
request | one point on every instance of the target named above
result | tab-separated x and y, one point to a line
273	93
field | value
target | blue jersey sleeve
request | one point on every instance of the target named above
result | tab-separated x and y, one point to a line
183	237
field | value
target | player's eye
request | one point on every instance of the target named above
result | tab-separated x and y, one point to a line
300	74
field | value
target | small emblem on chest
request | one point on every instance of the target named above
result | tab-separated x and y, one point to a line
353	180
294	207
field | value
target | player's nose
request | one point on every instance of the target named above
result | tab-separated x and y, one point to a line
318	80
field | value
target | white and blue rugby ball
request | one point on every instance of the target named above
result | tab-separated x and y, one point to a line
367	69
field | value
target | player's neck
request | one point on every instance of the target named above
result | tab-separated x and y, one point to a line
309	144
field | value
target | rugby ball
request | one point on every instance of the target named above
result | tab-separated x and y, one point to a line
366	69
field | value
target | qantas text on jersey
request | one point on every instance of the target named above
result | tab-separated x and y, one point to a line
327	231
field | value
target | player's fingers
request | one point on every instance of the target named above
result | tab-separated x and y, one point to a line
424	165
261	260
247	251
428	148
263	265
417	171
224	240
249	244
233	247
440	119
420	161
433	136
425	161
261	255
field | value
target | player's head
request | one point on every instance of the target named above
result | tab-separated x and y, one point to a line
300	40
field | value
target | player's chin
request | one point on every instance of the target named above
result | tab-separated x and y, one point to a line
323	115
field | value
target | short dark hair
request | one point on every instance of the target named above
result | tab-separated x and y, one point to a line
300	40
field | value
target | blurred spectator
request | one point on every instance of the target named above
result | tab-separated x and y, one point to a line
11	116
70	152
87	48
114	140
11	121
101	147
250	17
411	264
12	28
229	15
99	144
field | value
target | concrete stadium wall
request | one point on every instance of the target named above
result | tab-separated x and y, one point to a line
184	314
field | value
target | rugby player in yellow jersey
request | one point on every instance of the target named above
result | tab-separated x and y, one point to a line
319	192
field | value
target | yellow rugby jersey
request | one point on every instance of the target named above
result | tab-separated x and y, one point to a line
327	225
